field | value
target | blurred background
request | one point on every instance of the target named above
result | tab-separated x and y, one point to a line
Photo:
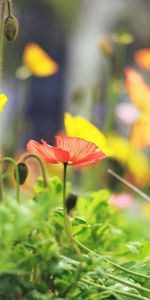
92	42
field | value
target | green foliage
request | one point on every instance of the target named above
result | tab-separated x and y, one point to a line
37	261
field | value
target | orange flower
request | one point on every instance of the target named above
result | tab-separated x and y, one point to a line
38	61
140	133
138	90
139	93
142	58
74	151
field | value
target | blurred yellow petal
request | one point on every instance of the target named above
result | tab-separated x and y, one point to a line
3	101
142	58
77	126
38	61
140	133
139	167
136	162
138	90
145	209
120	147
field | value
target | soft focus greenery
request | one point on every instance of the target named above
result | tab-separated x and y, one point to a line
37	261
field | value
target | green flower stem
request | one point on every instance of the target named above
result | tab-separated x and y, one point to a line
9	7
1	186
2	9
118	280
112	263
127	270
120	62
13	162
112	93
33	156
104	288
2	15
6	173
133	285
67	223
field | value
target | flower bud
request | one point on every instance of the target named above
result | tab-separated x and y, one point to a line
11	28
124	38
22	171
71	202
78	95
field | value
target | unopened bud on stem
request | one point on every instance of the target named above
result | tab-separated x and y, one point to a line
11	28
22	172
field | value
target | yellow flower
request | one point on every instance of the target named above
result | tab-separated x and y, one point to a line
120	147
79	127
113	145
3	101
38	62
139	167
145	209
136	162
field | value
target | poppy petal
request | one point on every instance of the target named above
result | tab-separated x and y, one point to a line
81	152
47	153
77	148
59	155
77	126
90	159
75	151
38	150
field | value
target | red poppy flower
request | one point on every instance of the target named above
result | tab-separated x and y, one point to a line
74	151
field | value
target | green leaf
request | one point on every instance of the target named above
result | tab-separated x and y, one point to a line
58	217
80	229
94	207
134	247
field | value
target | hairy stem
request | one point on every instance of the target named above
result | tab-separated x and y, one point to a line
1	186
2	16
112	263
33	156
2	10
125	282
67	223
120	292
13	162
9	7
